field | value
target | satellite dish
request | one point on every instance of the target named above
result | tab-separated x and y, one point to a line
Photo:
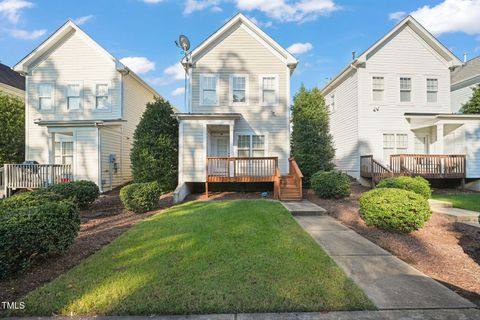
184	43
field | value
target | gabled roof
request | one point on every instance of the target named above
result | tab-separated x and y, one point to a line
261	36
449	58
11	78
69	27
467	71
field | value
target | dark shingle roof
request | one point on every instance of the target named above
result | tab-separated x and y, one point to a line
10	77
468	70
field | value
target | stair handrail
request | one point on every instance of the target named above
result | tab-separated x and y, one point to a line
294	170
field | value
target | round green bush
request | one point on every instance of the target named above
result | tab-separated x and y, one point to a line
418	185
30	199
27	234
331	184
394	209
140	197
83	192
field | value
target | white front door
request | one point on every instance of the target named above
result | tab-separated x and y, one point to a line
221	147
421	144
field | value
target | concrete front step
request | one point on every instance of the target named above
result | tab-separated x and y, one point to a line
456	214
439	204
303	208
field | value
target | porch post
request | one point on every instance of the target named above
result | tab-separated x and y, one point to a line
232	154
440	142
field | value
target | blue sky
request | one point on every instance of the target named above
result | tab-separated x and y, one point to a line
322	33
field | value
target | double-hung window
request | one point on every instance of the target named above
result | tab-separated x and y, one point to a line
394	144
208	89
405	89
63	148
432	90
250	145
101	96
269	90
45	96
378	88
73	96
238	89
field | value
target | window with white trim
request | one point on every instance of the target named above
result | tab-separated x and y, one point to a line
432	90
63	151
269	90
238	89
394	144
73	96
378	88
250	145
405	89
45	96
101	96
208	90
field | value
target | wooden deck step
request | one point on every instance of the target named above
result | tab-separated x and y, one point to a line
289	190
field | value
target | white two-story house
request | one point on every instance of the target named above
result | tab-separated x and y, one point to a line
237	126
82	107
390	111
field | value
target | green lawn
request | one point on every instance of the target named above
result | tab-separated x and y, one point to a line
204	257
468	201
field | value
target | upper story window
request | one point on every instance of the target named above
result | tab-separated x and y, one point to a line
378	88
251	145
101	96
238	89
208	89
45	96
432	90
405	89
73	96
269	90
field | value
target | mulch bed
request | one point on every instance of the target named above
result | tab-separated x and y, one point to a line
444	250
105	220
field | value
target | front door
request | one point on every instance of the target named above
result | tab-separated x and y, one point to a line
421	144
221	147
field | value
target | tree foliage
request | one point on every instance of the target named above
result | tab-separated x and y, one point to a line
311	142
155	146
473	105
12	133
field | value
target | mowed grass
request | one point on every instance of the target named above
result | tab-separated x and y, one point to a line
467	201
204	257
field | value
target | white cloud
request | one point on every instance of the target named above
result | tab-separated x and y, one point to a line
261	24
199	5
11	9
296	11
450	16
82	20
299	48
152	1
397	16
175	72
177	92
26	35
138	64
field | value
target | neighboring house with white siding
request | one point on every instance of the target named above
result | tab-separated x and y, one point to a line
237	126
82	107
395	99
464	79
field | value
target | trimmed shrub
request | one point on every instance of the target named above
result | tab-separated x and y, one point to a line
331	184
83	192
140	197
30	199
418	185
27	234
394	209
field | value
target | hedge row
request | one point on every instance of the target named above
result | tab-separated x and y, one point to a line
140	197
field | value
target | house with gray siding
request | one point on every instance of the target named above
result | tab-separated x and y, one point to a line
237	126
391	112
464	78
82	106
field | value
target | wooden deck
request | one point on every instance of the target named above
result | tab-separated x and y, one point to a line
429	166
254	170
32	176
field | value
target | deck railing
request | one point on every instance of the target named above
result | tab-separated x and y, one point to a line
2	183
33	176
434	166
241	169
370	168
294	170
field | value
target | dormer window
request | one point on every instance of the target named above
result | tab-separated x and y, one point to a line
101	96
73	96
238	89
208	90
45	96
269	90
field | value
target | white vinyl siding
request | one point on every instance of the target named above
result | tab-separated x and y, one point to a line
45	96
378	88
239	89
209	90
432	90
405	89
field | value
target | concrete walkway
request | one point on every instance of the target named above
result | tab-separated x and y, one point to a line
446	209
390	283
303	208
